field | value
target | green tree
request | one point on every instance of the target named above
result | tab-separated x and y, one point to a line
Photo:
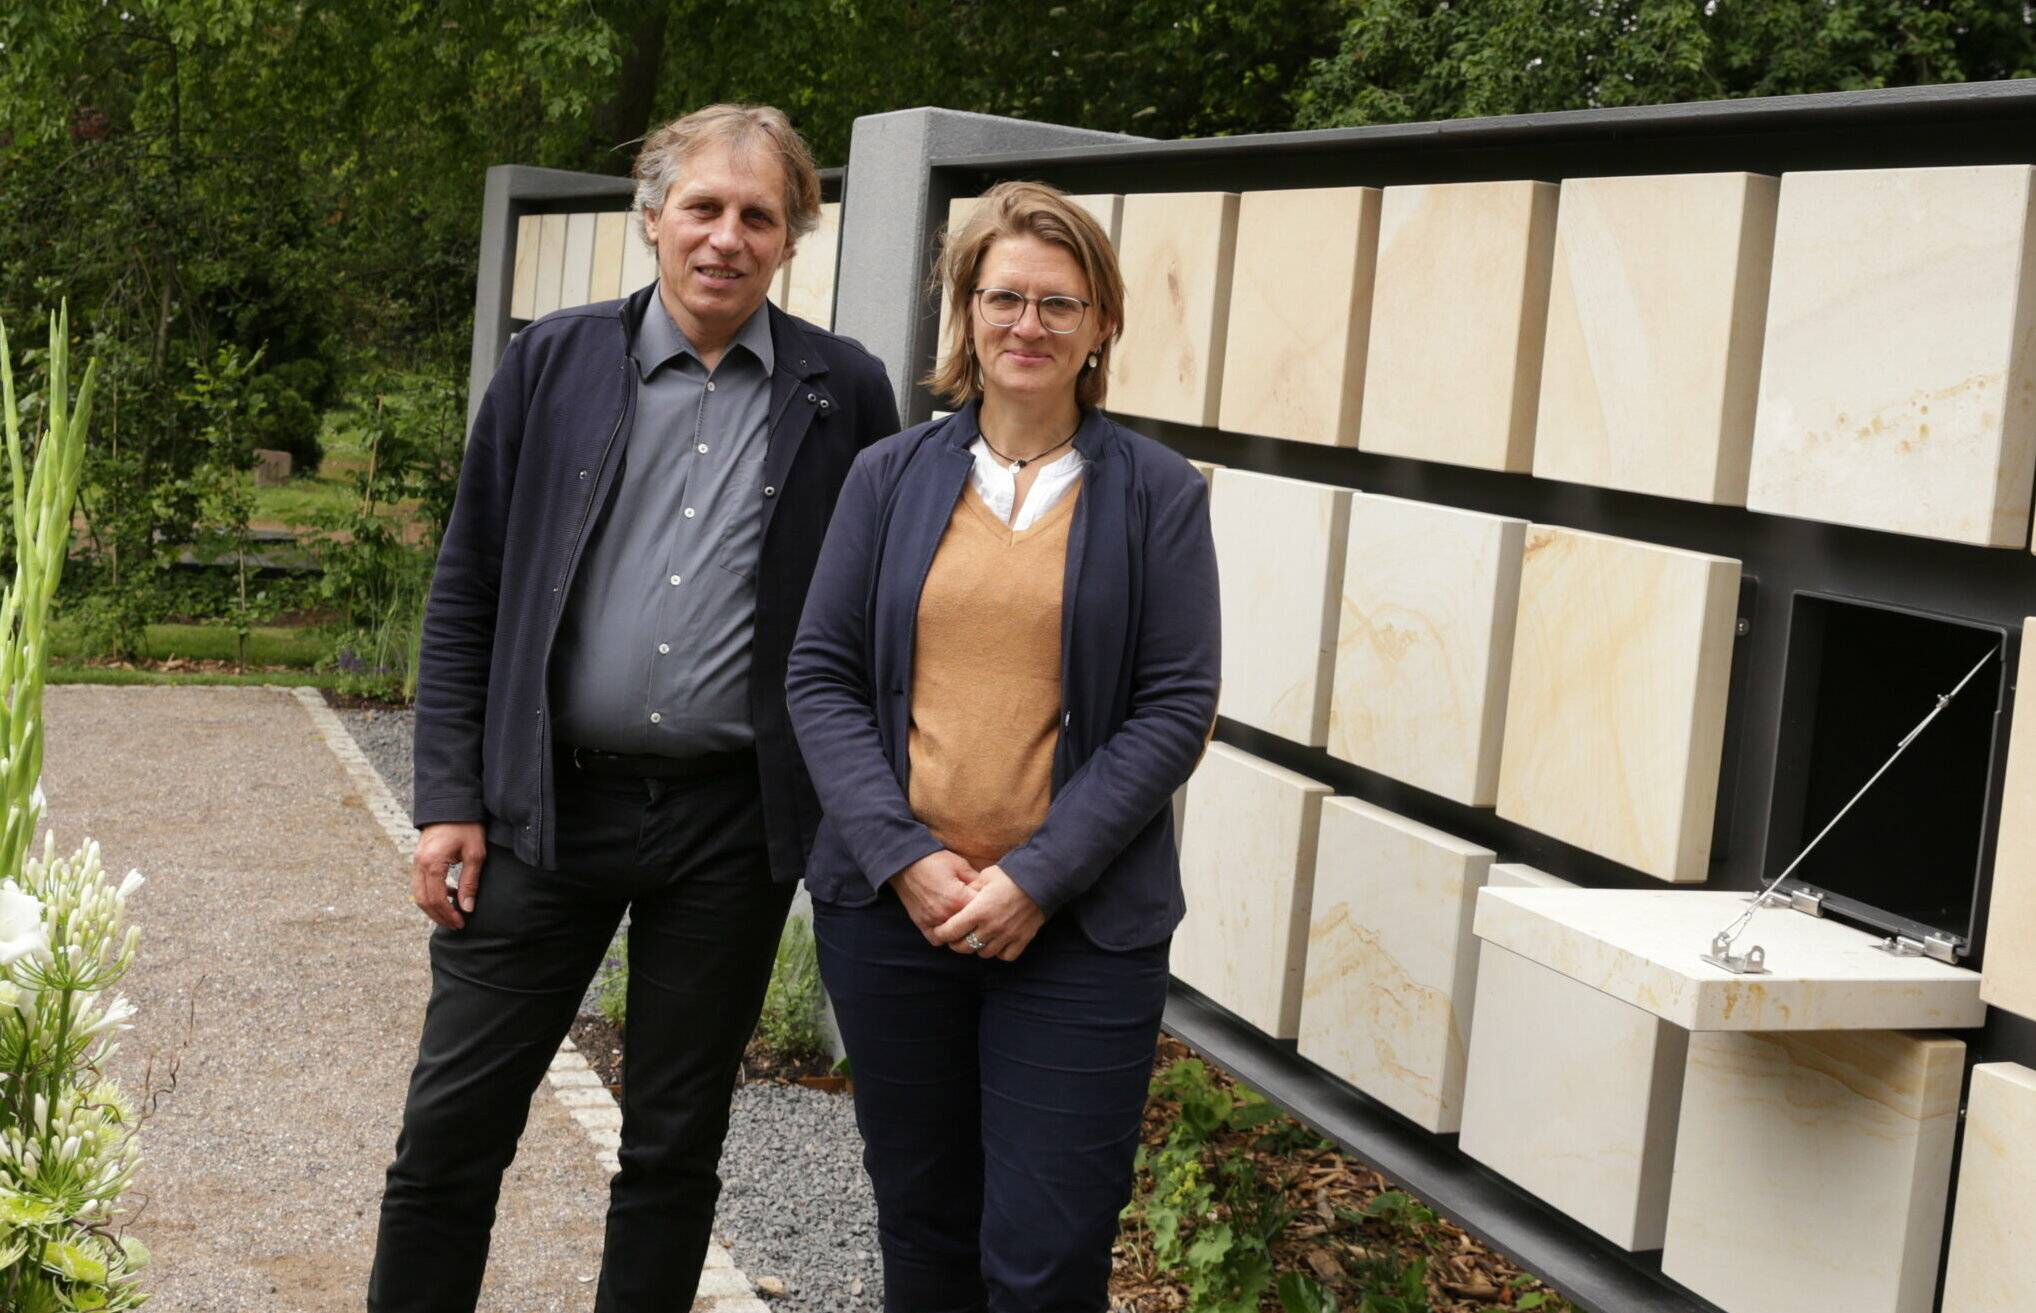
1415	60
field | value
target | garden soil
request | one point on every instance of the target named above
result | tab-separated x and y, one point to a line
281	984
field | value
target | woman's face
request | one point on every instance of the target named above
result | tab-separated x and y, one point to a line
1026	361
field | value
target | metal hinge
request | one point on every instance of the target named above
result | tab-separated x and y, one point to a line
1945	948
1810	902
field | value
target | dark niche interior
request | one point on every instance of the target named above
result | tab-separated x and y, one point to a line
1859	678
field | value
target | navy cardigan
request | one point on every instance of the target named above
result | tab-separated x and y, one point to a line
548	446
1139	670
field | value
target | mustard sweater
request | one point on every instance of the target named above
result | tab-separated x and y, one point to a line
986	679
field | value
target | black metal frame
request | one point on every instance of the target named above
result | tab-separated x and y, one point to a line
1913	127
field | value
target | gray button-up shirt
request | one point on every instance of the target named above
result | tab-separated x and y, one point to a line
654	648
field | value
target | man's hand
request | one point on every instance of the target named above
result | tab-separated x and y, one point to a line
1001	916
438	847
934	888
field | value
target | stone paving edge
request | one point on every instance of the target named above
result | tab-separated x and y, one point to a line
723	1287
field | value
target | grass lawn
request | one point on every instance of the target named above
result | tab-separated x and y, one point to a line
267	645
297	502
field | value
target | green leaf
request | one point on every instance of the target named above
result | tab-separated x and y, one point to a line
1300	1293
1211	1246
1245	1116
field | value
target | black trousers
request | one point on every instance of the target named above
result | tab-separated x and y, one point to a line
687	860
999	1104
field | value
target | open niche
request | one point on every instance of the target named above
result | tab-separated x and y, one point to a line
1906	859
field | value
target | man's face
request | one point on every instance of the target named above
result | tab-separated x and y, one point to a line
720	237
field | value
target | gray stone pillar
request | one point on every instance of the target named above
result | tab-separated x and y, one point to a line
895	203
513	191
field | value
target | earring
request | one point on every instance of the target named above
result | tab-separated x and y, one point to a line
1093	362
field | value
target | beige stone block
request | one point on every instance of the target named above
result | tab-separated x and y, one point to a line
551	264
577	281
1248	870
1518	875
611	233
1176	250
2008	966
1898	379
1424	644
1392	963
1207	469
1108	209
1646	947
809	287
1300	308
1811	1170
1655	315
523	284
1458	310
639	259
1570	1093
1279	564
1615	713
958	211
1993	1223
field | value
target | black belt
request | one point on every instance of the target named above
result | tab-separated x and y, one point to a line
651	766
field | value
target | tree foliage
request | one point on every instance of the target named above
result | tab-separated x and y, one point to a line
298	183
1417	60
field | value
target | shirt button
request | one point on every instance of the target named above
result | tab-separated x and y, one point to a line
770	492
703	449
664	649
675	581
710	385
583	474
655	717
689	512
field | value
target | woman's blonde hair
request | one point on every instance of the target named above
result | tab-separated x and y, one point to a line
1022	209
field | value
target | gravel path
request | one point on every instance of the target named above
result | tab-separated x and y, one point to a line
282	972
795	1203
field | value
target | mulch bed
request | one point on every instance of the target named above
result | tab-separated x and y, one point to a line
1322	1187
185	665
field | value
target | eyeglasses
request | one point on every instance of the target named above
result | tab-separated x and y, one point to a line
1003	308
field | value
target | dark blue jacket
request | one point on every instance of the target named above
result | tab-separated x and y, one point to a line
1139	669
549	443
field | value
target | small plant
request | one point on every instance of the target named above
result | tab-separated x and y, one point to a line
790	1026
611	984
1203	1212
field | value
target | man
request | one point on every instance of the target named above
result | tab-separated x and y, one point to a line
601	718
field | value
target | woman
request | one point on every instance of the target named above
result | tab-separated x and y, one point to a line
1006	667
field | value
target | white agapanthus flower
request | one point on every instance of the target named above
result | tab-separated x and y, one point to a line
21	927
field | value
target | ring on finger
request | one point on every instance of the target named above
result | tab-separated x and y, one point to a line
974	941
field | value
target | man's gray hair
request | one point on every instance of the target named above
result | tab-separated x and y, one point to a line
662	160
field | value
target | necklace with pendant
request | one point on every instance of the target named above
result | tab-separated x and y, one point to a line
1016	464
